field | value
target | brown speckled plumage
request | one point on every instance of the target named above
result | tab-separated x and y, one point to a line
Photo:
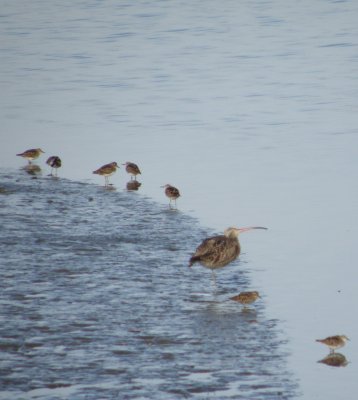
107	170
218	251
31	154
334	342
172	193
246	297
132	169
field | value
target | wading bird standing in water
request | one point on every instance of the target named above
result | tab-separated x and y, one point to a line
245	298
31	154
106	171
334	342
54	162
132	169
173	193
218	251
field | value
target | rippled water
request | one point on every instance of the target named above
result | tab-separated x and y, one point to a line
249	108
97	301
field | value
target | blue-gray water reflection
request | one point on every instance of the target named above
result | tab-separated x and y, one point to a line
97	301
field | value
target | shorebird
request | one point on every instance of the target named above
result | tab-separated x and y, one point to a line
54	162
217	251
132	169
171	192
246	297
31	154
106	171
334	342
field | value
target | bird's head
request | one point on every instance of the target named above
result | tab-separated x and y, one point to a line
41	151
234	232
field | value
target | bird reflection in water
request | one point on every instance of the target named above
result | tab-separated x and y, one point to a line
32	169
334	360
133	185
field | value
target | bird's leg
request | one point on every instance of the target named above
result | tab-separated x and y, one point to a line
213	278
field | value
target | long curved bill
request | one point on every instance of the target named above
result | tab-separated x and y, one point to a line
250	228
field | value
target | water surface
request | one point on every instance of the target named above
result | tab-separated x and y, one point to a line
97	301
249	108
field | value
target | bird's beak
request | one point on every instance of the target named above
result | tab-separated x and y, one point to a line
250	228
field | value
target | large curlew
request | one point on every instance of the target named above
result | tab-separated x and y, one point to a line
218	251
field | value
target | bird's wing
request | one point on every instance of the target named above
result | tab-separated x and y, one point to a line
211	245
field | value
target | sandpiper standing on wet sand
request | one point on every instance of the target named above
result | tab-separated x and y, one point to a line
31	154
245	298
132	169
54	162
172	193
218	251
334	342
107	170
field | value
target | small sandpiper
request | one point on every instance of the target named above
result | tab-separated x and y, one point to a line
54	162
31	154
245	298
173	193
132	169
106	171
334	342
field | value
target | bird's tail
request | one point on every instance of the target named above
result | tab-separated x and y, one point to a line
193	260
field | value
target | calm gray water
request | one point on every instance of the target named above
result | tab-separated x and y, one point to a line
97	301
249	107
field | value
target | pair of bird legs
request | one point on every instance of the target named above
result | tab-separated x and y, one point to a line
171	201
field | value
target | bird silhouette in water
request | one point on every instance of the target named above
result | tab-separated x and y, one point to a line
218	251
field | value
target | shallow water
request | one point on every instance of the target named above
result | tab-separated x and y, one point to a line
248	107
97	301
